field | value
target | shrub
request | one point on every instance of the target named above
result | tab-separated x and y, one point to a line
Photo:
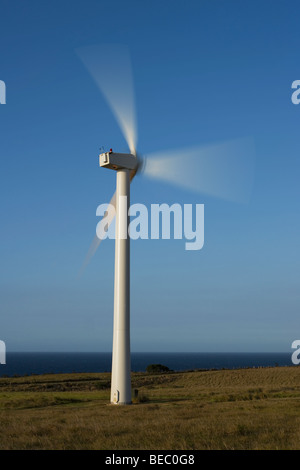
157	369
139	397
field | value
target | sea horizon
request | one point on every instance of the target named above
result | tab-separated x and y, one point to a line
43	362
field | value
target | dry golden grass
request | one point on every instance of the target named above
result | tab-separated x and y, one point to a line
237	409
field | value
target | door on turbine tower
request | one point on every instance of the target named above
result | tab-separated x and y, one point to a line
116	396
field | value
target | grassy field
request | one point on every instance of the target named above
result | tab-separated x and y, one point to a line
226	409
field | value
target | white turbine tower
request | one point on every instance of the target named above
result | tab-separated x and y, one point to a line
222	170
125	165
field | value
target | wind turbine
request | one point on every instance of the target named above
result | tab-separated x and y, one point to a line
222	170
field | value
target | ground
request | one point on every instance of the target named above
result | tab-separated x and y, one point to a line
222	409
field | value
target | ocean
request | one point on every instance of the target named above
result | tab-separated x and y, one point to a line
28	363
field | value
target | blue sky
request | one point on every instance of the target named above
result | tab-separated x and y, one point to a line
205	72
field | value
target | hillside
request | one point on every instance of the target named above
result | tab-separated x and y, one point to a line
225	409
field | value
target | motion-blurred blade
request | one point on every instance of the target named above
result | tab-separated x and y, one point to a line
96	241
224	170
110	66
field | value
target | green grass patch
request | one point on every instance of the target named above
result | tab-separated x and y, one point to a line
239	409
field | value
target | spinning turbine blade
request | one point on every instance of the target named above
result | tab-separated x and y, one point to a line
110	67
222	170
96	241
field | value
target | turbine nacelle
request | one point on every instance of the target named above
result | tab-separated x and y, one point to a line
118	161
